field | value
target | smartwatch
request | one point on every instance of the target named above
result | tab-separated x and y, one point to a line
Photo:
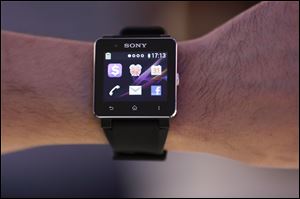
135	90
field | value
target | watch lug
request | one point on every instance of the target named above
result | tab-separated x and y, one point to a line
106	123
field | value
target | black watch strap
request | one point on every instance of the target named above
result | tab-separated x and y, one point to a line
138	138
154	31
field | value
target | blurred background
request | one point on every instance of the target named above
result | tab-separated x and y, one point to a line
88	170
89	20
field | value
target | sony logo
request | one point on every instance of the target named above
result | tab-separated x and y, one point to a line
135	45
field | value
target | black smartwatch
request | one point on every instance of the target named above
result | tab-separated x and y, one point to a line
135	90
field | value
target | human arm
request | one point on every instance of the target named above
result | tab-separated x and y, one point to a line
239	88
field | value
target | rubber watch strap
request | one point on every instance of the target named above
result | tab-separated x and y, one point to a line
137	138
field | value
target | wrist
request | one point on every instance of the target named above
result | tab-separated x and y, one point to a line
187	132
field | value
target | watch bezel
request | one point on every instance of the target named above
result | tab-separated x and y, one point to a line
102	45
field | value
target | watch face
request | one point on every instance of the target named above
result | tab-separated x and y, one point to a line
135	77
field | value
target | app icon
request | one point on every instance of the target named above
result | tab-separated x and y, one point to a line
108	56
135	70
156	70
114	70
135	90
156	90
111	92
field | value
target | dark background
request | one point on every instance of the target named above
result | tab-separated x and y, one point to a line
88	170
89	20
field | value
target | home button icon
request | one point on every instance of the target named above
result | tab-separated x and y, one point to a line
134	107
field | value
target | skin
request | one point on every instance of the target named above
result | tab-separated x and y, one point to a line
238	94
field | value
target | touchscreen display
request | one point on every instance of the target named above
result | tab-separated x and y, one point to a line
135	76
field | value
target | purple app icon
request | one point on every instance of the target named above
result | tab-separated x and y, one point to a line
114	70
